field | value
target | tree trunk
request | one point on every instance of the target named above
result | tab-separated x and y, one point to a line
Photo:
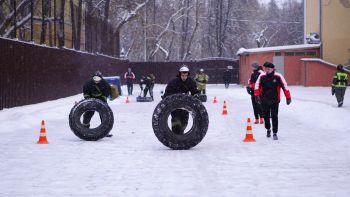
61	25
74	33
79	25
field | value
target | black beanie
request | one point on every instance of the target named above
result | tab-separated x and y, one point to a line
269	65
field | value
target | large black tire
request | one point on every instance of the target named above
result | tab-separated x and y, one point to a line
194	135
94	134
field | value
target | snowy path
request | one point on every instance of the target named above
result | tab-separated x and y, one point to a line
312	157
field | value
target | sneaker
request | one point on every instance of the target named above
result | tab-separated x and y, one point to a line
261	120
340	104
275	136
256	121
268	133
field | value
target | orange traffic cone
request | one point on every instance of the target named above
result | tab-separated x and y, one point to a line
127	100
42	138
249	135
214	100
224	110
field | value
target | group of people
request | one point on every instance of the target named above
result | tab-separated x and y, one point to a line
264	87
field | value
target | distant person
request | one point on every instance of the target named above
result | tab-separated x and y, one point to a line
340	81
227	77
257	71
129	76
202	79
97	88
267	93
148	81
181	84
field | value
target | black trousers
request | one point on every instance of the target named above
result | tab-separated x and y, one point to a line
130	88
150	89
257	109
271	110
179	121
339	94
88	115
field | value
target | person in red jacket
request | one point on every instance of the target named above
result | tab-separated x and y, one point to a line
257	71
129	76
267	93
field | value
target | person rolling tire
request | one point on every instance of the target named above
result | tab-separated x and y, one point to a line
84	132
180	141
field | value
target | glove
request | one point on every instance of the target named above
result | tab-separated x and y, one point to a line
289	101
333	90
249	90
258	100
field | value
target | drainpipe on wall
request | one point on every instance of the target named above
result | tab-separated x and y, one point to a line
320	25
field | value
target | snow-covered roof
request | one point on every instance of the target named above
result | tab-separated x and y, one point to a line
242	51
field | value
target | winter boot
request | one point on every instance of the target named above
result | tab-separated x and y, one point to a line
268	134
256	121
340	104
275	136
109	135
261	120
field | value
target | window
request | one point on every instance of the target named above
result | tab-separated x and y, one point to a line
289	53
300	53
311	53
278	53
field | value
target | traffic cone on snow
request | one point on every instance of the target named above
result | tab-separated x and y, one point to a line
214	100
224	110
127	100
249	134
42	138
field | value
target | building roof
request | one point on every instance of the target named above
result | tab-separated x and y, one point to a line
323	61
243	51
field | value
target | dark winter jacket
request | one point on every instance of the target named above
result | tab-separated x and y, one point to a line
148	81
129	77
227	76
253	77
100	90
268	87
177	86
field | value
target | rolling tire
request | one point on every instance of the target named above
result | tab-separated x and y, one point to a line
91	134
189	139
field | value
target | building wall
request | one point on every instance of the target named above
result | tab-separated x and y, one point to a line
318	74
336	31
294	70
311	17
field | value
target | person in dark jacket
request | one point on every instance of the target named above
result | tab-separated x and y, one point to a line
97	88
182	84
129	77
227	77
340	81
257	71
148	81
267	93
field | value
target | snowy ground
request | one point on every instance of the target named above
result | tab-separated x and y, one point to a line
311	157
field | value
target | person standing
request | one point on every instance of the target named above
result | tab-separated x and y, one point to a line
148	81
181	84
267	93
257	71
129	76
97	88
202	80
340	81
227	77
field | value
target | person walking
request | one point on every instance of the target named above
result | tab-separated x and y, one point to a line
267	93
340	81
202	79
257	71
227	77
129	76
181	84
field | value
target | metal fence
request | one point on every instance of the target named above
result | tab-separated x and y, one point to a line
32	73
